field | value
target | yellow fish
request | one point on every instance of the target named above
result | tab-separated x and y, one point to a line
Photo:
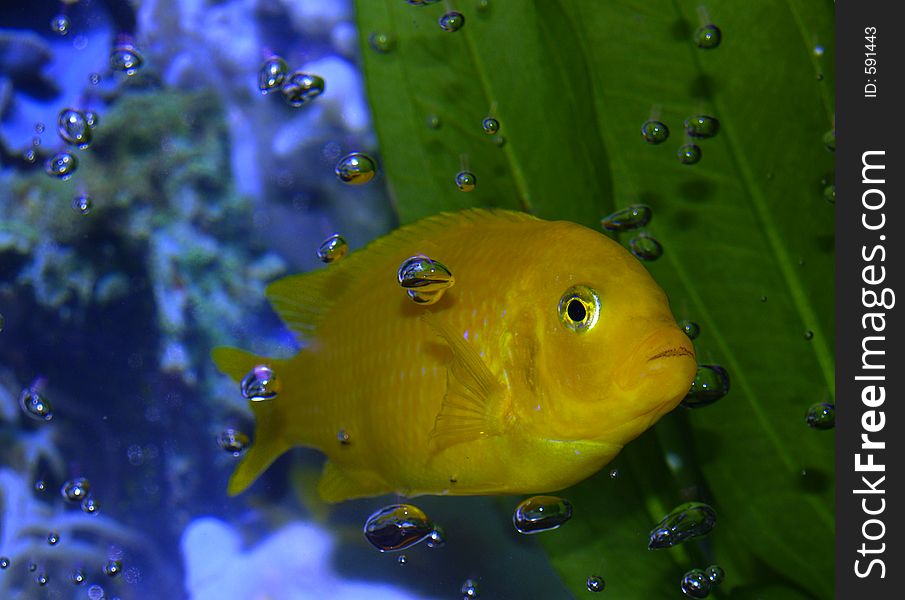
552	350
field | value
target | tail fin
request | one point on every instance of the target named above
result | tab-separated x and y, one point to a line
269	442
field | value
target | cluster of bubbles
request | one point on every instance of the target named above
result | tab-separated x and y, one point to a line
332	249
425	279
75	128
644	246
260	384
78	491
686	521
400	526
711	383
541	513
697	583
697	126
297	88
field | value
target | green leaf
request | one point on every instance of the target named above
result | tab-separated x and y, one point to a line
747	236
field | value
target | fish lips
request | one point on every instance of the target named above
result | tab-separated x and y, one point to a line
659	356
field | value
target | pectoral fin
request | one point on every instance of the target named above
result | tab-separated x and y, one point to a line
473	407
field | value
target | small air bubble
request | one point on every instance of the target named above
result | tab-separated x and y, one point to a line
654	132
596	583
356	168
452	21
708	36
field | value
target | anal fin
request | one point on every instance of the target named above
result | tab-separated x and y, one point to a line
337	484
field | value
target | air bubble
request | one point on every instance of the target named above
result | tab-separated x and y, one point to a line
300	88
82	204
332	249
53	538
715	574
60	24
437	538
425	279
654	132
466	181
73	128
695	584
90	506
632	217
125	58
113	568
689	154
272	74
711	383
260	384
686	521
645	247
490	125
470	590
701	126
452	21
75	490
233	441
541	513
77	577
690	328
383	43
62	165
596	583
821	416
708	36
35	405
397	527
356	168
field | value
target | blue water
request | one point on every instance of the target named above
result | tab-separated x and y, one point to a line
201	191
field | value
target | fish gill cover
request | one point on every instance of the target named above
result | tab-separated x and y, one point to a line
597	106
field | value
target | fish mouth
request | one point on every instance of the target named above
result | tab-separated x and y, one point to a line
675	351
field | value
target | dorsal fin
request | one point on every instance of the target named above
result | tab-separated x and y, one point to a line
303	301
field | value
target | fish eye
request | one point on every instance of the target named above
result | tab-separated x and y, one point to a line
579	308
